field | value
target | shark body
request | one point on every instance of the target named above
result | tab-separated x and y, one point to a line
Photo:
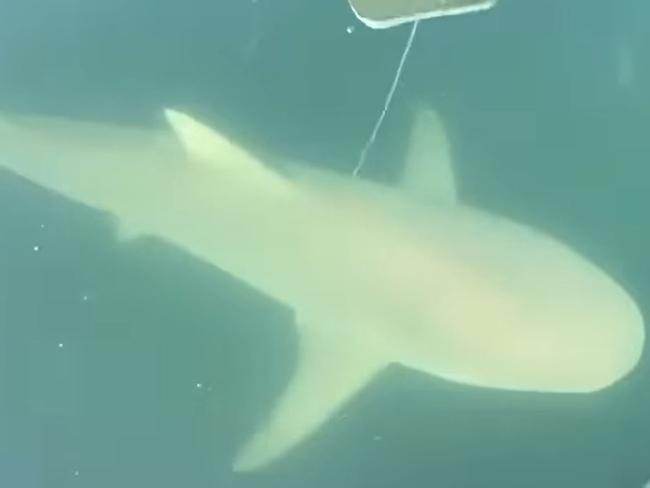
377	275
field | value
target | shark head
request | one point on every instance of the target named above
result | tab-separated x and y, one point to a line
376	275
501	321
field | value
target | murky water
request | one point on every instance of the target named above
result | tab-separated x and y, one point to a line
134	365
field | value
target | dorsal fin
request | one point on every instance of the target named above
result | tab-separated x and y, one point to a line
428	173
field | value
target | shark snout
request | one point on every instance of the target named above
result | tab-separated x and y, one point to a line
616	352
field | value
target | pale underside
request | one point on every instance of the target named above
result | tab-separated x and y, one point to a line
376	275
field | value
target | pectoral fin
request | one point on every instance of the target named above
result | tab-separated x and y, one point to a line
211	149
328	373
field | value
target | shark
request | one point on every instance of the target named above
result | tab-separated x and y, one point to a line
377	274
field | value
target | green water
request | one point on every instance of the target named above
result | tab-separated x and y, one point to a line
136	366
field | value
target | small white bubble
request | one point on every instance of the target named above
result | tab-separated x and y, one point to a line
76	473
36	248
60	345
199	385
350	29
84	298
42	226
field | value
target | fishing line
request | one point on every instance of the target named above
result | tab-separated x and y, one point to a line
387	102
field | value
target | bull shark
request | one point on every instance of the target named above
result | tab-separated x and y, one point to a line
376	274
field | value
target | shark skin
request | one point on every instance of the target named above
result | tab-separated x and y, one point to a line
376	275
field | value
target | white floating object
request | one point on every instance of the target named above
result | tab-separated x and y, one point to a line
382	14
